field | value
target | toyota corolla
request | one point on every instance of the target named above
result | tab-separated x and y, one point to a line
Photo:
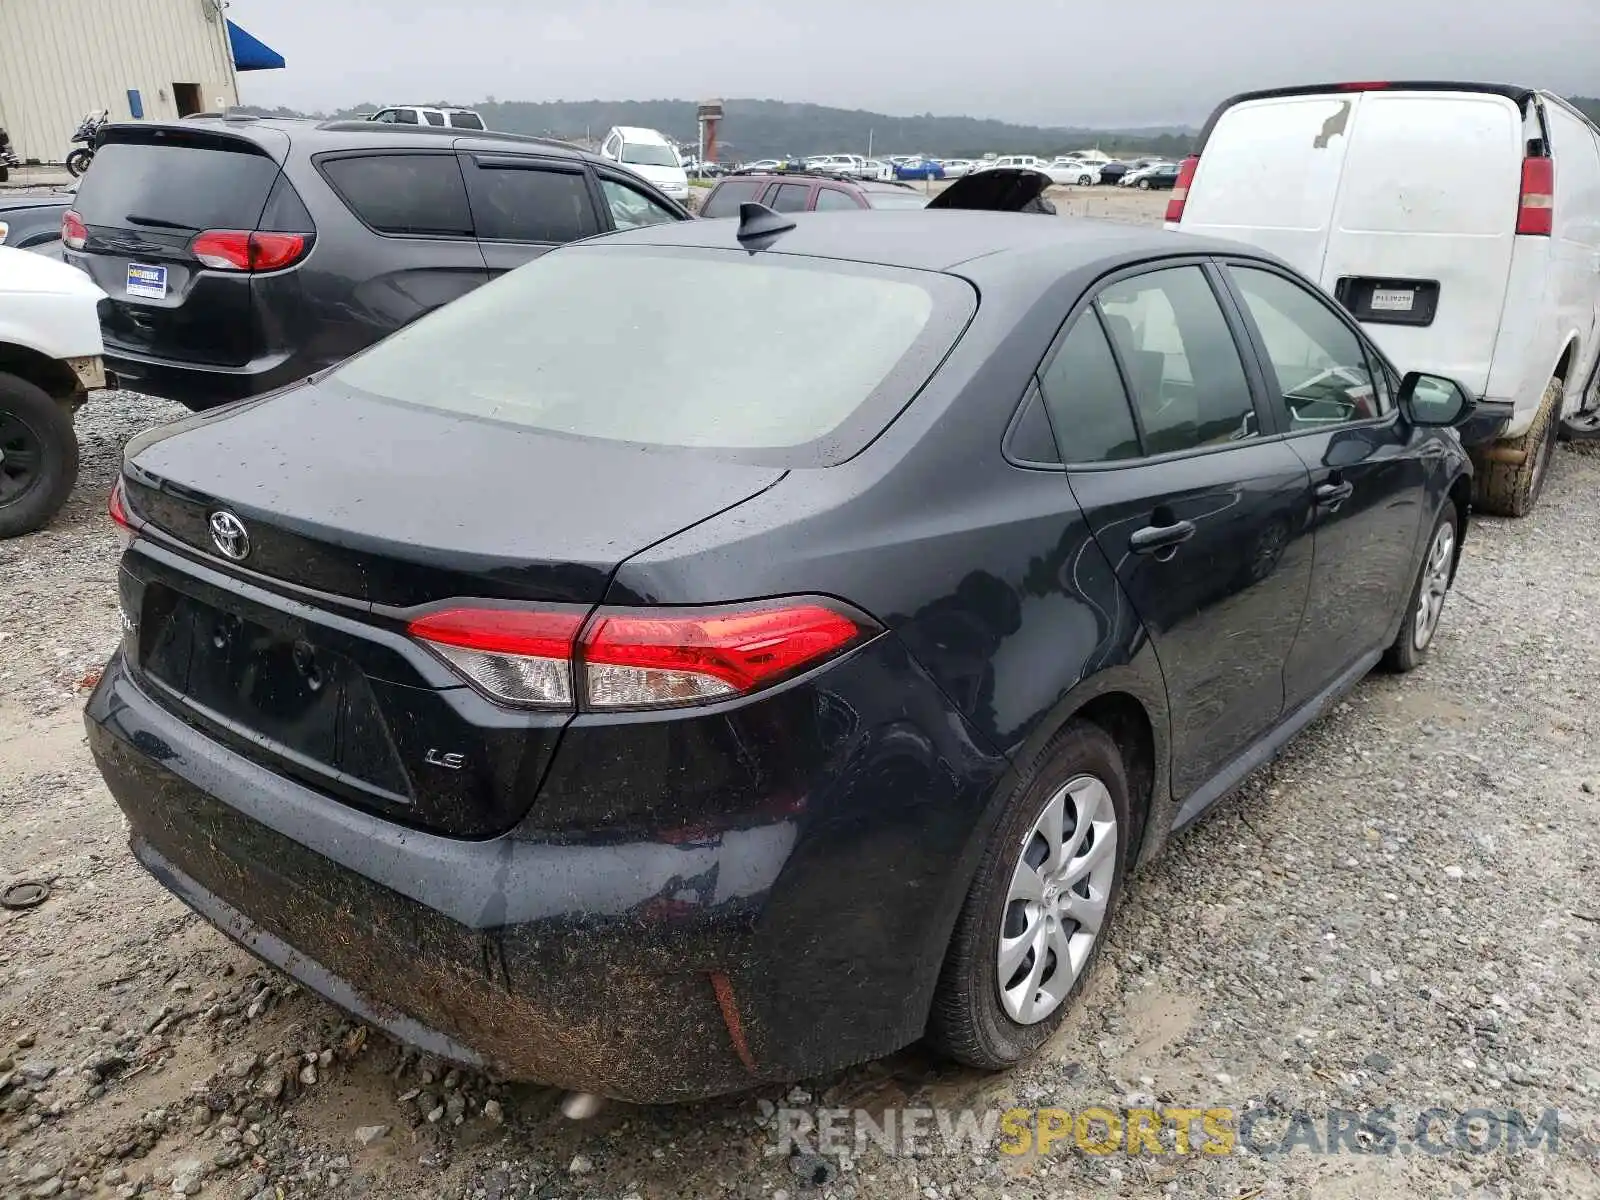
657	739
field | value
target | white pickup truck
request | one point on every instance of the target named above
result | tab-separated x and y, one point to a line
50	359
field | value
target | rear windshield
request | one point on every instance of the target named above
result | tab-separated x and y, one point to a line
187	186
727	196
699	349
897	200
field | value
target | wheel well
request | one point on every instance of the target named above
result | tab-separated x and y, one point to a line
1565	362
51	374
1461	497
1125	719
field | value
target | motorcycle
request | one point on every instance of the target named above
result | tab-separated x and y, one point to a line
8	156
78	160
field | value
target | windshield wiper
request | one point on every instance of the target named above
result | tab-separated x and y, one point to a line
155	222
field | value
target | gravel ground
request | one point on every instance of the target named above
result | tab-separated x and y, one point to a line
1403	911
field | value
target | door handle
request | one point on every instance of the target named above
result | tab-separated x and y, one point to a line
1153	539
1333	493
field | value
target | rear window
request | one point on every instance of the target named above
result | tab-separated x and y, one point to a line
804	353
403	193
726	198
527	204
192	187
465	120
434	118
894	200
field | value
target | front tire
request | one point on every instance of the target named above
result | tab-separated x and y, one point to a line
38	456
1512	489
1040	904
78	162
1421	623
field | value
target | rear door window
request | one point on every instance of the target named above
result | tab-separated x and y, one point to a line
434	118
530	202
791	197
403	194
836	200
189	186
726	198
1182	364
1084	396
630	208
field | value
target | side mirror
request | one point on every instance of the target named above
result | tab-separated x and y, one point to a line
1433	400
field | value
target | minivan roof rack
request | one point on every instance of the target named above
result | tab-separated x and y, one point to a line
348	125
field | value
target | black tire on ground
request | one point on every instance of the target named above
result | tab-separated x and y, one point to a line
38	431
1512	489
1144	184
5	172
78	162
968	1022
1085	180
1404	654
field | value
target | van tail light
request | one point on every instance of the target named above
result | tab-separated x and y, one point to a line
1180	189
74	233
638	658
127	524
241	250
1536	208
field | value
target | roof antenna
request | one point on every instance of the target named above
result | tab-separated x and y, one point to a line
758	223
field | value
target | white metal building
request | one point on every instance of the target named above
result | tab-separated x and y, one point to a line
141	59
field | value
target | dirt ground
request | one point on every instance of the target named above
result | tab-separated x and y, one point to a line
1403	911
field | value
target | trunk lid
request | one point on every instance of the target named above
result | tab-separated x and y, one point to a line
385	506
392	505
149	192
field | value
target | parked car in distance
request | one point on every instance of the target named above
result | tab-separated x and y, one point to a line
1159	178
805	193
33	222
1113	171
202	235
1074	171
920	168
415	114
841	714
759	167
879	171
853	165
50	359
650	156
955	168
1484	266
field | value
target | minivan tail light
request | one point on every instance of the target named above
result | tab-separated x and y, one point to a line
127	524
241	250
1536	208
637	658
74	233
1180	189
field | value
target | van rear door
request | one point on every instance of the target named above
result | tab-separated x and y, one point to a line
1425	225
1269	175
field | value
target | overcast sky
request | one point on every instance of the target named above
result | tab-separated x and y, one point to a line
1051	62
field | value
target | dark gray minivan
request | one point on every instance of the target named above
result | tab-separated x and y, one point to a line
241	254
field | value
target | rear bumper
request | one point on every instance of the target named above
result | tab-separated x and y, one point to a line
198	386
649	967
1488	421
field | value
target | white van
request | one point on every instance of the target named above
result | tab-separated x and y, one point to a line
1460	223
646	153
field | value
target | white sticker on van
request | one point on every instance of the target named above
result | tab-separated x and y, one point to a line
1393	299
149	282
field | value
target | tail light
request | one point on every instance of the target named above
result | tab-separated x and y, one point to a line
241	250
74	233
1180	189
630	658
1536	208
128	525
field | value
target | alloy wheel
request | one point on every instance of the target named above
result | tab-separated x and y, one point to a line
1056	903
1435	583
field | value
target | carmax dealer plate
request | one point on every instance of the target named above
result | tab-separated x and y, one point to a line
147	281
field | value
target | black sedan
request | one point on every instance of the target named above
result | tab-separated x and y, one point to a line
657	741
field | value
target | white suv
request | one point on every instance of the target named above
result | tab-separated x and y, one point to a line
413	114
50	356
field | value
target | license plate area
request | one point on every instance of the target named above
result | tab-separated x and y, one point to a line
1378	301
146	281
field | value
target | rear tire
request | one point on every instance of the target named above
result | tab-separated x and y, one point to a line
1512	489
78	162
1144	185
38	456
1421	624
971	1022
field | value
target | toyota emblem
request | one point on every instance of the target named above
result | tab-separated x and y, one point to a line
229	535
